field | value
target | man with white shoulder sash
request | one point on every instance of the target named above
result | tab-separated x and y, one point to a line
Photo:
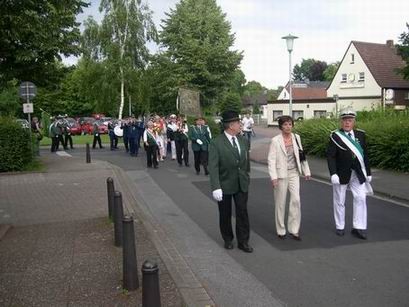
348	164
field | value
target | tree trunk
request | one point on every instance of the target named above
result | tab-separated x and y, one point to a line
121	106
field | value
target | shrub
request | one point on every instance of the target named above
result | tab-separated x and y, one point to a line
15	146
387	137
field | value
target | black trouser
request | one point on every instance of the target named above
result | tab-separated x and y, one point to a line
94	142
126	142
68	138
247	134
242	219
113	139
151	155
182	147
55	143
201	157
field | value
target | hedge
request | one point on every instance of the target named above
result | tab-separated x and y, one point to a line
15	146
387	137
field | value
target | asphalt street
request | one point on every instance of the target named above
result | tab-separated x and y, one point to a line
323	269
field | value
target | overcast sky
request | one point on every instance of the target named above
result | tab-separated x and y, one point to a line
324	28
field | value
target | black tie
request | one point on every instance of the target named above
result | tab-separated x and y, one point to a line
350	134
235	145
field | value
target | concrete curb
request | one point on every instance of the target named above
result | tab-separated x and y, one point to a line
191	290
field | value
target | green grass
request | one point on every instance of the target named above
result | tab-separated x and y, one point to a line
78	140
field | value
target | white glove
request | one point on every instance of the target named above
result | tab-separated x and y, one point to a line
218	194
335	179
369	179
199	142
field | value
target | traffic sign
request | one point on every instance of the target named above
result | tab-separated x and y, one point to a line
28	108
27	91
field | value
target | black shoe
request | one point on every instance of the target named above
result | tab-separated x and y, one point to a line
359	233
187	164
340	232
228	245
245	247
155	166
206	173
282	237
296	237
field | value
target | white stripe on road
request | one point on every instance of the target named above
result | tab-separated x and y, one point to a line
63	153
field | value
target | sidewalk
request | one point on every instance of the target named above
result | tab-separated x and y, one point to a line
390	184
59	250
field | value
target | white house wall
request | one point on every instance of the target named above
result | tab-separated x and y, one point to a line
360	104
283	95
307	108
353	88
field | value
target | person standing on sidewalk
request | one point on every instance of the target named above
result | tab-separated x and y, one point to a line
200	137
348	165
229	168
248	124
182	142
285	164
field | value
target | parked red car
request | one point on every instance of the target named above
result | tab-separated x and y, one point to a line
86	124
102	126
75	127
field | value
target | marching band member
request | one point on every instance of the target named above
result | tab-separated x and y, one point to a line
151	146
181	140
159	128
348	164
200	137
171	130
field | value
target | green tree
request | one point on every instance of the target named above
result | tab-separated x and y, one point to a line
403	50
197	39
253	88
34	34
9	100
330	71
230	101
126	27
310	69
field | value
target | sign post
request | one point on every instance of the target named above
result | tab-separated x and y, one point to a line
27	92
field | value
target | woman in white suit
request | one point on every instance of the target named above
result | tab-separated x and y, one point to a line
285	167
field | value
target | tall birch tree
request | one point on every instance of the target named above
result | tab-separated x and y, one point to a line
126	28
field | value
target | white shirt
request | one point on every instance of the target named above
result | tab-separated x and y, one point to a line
230	138
247	123
350	132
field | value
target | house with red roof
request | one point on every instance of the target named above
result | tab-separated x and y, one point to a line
367	78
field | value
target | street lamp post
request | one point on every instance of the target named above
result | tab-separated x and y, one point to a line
290	42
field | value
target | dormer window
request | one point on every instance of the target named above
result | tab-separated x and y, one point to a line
343	78
352	58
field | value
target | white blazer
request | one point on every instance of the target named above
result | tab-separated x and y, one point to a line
277	158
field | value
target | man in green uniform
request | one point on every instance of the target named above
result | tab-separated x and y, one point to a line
229	168
200	137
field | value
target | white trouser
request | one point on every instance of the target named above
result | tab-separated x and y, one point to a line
359	203
161	145
173	149
292	184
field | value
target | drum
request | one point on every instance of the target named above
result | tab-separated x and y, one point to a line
118	131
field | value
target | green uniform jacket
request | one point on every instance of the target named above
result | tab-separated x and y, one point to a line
228	171
202	133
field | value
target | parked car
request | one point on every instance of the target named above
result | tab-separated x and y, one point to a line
74	126
86	124
102	126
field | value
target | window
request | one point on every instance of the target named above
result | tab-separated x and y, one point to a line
344	78
361	77
407	96
320	114
276	115
352	58
298	115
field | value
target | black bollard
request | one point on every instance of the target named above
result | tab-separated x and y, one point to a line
110	191
150	285
87	154
118	216
130	268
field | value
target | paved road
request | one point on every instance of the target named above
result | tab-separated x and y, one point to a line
322	270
